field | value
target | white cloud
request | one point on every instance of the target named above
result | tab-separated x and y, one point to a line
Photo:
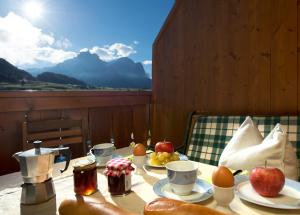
136	42
63	43
84	50
52	55
21	43
24	44
112	52
147	62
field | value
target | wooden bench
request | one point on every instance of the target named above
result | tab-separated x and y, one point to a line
207	136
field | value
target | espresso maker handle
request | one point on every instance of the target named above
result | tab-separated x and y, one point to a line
68	154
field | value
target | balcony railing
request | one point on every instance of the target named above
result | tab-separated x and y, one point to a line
105	115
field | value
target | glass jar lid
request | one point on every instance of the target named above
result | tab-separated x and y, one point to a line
84	164
118	164
117	167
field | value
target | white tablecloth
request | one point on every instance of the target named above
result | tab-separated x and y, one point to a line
142	187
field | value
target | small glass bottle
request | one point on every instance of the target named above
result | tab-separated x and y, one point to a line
118	172
85	177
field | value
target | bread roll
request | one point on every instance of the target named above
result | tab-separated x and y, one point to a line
164	206
83	205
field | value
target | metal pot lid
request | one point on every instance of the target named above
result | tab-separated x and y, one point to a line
36	152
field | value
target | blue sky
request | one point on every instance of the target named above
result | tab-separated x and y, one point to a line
47	32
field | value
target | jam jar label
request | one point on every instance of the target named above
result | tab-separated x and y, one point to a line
127	182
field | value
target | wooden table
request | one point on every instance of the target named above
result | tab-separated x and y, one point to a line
142	187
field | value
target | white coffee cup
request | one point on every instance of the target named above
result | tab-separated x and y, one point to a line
182	176
103	152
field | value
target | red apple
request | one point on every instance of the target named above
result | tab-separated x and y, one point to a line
267	182
164	146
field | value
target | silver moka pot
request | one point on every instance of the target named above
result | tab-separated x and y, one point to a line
36	168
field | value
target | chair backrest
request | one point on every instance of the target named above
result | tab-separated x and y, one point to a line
53	133
207	136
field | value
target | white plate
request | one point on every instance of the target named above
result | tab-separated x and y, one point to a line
182	157
289	197
201	191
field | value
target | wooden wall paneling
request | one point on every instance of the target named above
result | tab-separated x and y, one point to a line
43	115
122	126
100	125
157	124
165	89
51	114
224	77
162	99
227	56
216	57
176	108
11	140
195	83
156	92
259	29
141	123
283	57
189	92
163	61
78	114
168	75
298	54
158	88
236	57
108	122
212	56
173	96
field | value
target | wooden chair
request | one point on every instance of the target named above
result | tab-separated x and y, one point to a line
53	133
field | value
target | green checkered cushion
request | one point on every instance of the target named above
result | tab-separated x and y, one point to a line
210	134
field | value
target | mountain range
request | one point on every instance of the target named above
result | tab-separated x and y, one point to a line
11	74
85	70
88	68
59	79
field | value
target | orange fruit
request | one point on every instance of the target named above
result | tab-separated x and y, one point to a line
222	177
139	149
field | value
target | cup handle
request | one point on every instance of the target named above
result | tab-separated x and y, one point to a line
90	153
68	154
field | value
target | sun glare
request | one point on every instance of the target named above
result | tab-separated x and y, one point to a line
33	9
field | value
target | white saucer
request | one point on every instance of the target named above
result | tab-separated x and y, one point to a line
201	191
289	197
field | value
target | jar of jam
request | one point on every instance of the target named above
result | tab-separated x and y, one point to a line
85	177
118	172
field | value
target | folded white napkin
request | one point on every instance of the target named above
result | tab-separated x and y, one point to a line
247	150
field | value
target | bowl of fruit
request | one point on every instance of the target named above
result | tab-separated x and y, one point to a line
164	153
